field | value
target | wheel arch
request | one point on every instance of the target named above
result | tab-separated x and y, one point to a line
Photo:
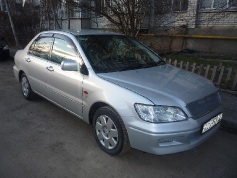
21	72
95	107
123	143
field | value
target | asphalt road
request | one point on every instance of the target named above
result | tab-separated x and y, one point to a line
38	139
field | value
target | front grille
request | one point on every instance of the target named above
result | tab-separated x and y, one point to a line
205	105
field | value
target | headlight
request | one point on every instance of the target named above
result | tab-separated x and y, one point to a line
158	114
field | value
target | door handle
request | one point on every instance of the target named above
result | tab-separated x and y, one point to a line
27	59
50	68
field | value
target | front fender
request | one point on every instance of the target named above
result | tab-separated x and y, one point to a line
122	100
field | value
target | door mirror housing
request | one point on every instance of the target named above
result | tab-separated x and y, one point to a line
70	65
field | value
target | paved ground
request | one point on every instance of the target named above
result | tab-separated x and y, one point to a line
229	102
38	139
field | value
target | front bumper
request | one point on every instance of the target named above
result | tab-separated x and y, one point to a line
170	138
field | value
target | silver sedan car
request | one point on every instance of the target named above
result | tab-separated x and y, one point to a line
129	95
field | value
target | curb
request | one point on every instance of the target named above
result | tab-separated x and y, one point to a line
228	91
228	126
229	101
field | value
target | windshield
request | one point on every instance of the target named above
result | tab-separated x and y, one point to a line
111	53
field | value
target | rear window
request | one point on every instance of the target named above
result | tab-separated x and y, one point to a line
41	47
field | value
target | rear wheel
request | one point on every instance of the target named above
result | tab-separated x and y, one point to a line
110	132
26	88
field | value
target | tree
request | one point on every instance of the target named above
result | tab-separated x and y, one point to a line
48	13
12	24
23	20
125	15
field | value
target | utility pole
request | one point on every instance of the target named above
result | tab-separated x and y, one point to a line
11	22
68	17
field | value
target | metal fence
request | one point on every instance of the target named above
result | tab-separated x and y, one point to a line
220	75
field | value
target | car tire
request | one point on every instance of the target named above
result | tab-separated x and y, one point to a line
26	88
110	132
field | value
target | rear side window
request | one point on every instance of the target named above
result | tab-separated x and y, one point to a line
62	50
41	47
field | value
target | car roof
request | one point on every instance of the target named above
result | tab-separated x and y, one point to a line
84	32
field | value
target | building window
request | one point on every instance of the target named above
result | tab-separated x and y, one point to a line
168	6
179	5
99	7
233	3
218	4
163	6
2	5
74	10
85	13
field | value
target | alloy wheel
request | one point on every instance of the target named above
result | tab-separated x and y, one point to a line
106	132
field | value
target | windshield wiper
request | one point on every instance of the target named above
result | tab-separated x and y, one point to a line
129	68
140	66
161	62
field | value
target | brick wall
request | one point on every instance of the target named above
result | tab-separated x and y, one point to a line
217	19
176	19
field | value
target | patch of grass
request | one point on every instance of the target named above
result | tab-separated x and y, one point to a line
203	59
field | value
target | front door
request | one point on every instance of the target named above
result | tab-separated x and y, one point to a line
64	87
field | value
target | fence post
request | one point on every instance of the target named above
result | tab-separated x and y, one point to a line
175	63
181	65
187	65
200	70
235	82
193	69
220	76
207	70
228	76
213	73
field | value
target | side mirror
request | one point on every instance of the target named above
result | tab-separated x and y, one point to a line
84	70
70	65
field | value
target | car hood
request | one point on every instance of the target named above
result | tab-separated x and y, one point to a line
165	84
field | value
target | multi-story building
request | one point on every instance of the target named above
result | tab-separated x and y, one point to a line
203	25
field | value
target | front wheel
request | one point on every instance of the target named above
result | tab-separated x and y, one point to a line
26	88
110	132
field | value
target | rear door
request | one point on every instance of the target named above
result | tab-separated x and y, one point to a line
35	62
64	87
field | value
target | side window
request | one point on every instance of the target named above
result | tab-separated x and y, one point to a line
62	50
41	47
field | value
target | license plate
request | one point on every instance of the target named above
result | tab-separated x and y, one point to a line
211	123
